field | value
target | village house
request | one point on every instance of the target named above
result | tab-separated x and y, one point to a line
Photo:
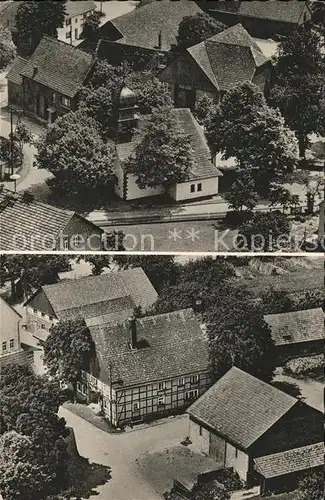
266	19
146	368
114	296
11	351
76	12
297	334
215	65
149	30
43	91
28	224
242	422
203	178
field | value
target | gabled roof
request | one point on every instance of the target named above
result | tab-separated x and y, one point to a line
203	167
241	407
59	66
93	296
297	326
5	304
141	27
169	345
76	8
228	58
20	219
17	67
275	10
286	462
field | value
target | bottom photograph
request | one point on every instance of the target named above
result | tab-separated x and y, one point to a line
142	377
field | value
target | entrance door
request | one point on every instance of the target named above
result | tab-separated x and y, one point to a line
217	447
41	107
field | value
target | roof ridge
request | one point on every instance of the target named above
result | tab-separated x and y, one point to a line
68	280
161	315
64	44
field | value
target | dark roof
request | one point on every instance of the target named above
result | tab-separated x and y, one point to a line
203	166
170	345
297	326
14	74
76	8
241	407
141	26
229	57
93	296
230	6
60	66
274	10
286	462
20	219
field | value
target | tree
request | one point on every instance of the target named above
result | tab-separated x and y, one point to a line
239	336
150	92
265	231
73	151
311	487
313	184
97	262
163	154
22	135
276	301
194	29
35	19
244	127
242	192
210	491
98	103
298	87
205	108
68	350
90	29
7	48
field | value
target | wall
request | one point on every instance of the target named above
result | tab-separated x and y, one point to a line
237	459
91	235
37	320
133	191
182	191
9	328
262	77
200	437
70	25
15	94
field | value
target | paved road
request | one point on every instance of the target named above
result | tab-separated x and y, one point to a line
120	451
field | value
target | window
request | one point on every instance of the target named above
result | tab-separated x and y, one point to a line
200	431
180	382
191	394
43	326
76	20
51	318
192	188
161	401
136	406
65	243
65	101
194	379
43	315
77	240
236	452
35	311
76	33
199	187
54	97
11	343
68	21
4	346
161	386
68	34
81	388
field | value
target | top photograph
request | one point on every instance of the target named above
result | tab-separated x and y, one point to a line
162	126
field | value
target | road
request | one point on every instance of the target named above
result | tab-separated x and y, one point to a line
120	452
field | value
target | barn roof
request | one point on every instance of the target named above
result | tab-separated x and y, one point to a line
296	326
275	10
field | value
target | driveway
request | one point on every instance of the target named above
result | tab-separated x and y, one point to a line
311	390
124	454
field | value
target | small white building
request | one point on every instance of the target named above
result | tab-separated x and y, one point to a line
203	178
76	14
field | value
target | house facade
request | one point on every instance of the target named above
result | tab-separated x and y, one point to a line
76	12
241	418
39	89
11	351
146	368
215	65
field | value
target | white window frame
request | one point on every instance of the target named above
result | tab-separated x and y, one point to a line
4	346
77	239
66	102
161	386
194	379
161	401
199	186
195	394
192	188
11	344
136	406
43	327
181	382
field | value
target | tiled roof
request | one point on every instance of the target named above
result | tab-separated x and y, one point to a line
228	58
230	6
169	345
203	166
21	219
14	74
60	66
274	10
286	462
93	296
76	8
141	26
241	407
297	326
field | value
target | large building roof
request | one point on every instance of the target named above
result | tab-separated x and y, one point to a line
203	166
228	58
94	296
241	407
52	54
169	345
297	326
23	217
141	27
287	462
274	10
17	67
75	8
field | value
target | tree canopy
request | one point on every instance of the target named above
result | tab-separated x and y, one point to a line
35	19
73	150
163	154
311	487
194	29
265	232
90	30
7	48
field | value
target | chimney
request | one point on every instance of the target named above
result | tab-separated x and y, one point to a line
159	39
133	332
35	68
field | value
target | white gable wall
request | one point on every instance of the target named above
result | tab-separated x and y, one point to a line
183	191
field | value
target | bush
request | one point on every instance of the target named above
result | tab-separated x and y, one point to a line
230	479
235	218
308	367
